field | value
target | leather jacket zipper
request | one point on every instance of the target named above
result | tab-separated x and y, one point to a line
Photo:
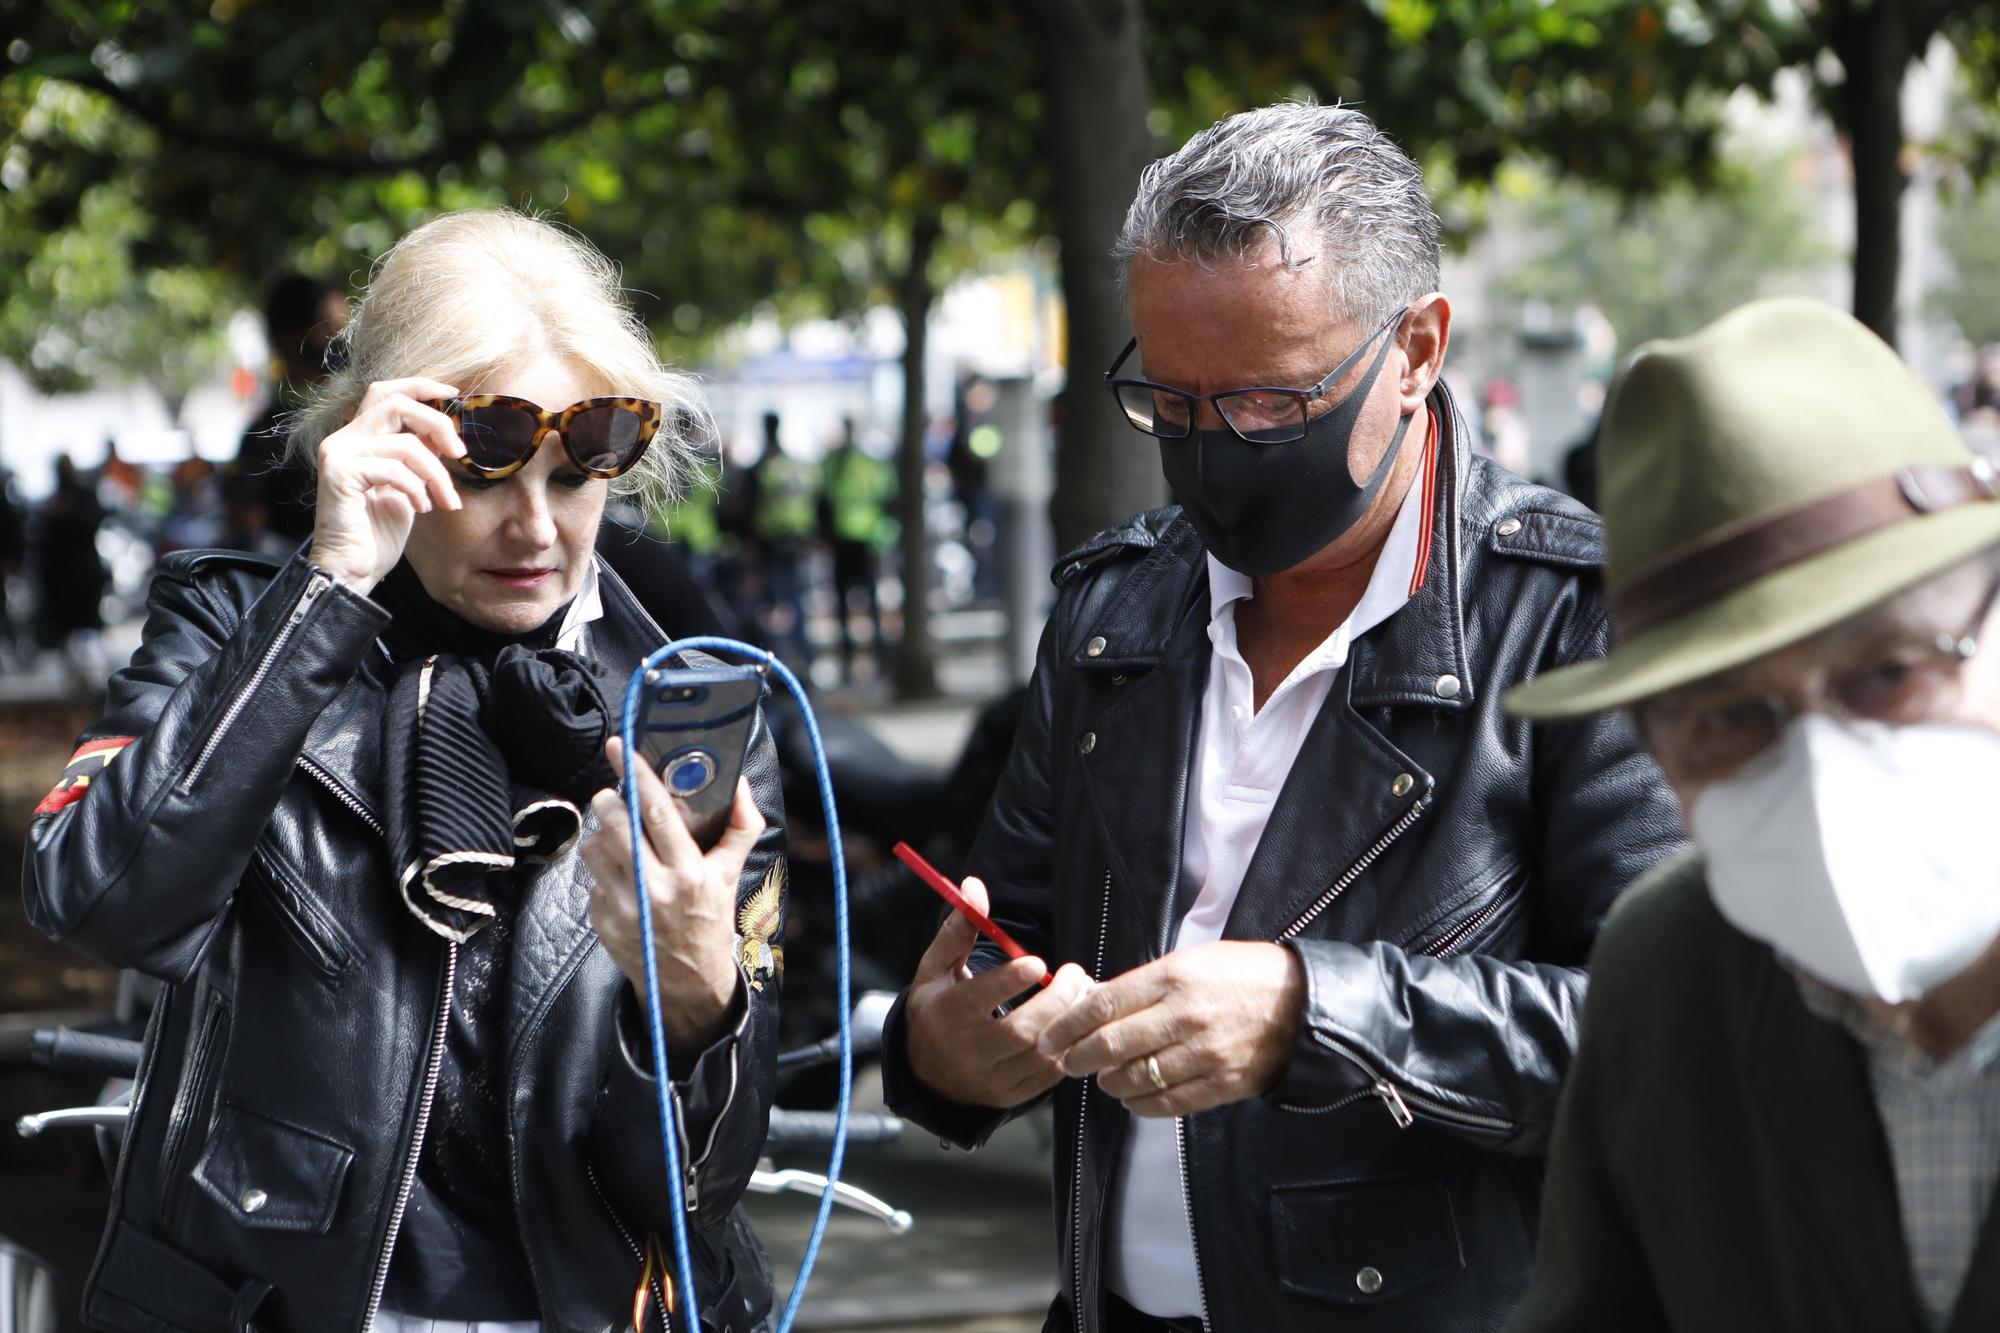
690	1187
190	1101
1353	872
1187	1196
1465	930
315	585
409	1181
1397	1101
1082	1107
625	1234
1400	1101
341	794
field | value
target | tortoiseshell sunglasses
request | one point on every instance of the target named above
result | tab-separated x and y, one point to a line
604	437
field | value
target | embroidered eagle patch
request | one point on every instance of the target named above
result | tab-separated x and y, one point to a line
89	760
757	926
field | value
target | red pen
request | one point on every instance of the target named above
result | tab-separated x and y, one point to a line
948	891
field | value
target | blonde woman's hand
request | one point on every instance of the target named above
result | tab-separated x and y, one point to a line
376	474
692	894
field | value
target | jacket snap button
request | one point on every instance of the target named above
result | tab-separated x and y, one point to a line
1401	786
253	1200
1088	743
1447	687
1509	528
1369	1280
1095	646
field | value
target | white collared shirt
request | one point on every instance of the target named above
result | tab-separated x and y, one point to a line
1243	755
585	607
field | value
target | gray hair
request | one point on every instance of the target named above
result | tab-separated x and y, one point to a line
1269	174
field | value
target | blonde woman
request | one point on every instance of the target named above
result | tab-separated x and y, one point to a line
344	806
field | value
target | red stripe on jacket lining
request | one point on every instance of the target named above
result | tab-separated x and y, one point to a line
1429	466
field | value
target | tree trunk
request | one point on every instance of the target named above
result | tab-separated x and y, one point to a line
1873	44
1094	82
916	660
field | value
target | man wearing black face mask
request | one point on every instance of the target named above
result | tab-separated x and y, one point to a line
1318	907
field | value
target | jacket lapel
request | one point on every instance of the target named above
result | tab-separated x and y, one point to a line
344	747
1348	789
1417	656
1137	756
1813	1111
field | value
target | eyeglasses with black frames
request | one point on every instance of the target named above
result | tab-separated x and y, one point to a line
1260	415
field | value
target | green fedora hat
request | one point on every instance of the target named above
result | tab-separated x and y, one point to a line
1764	479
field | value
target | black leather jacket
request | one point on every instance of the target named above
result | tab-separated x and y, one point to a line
235	850
1439	866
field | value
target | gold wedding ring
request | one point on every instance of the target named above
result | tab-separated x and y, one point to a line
1153	1073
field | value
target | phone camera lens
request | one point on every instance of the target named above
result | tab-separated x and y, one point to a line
687	774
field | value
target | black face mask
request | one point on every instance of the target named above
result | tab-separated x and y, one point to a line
1263	508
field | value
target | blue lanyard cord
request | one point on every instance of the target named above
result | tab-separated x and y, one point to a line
669	1108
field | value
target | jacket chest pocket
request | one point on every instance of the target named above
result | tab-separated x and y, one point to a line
1364	1242
1479	919
299	916
271	1175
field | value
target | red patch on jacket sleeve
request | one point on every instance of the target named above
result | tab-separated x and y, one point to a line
88	761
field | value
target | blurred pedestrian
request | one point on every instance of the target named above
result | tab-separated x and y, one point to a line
1977	403
856	490
1785	1111
783	493
970	443
1503	430
1580	466
270	494
13	553
1318	909
661	575
70	576
120	484
199	512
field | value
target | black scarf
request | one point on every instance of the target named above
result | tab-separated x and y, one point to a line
493	743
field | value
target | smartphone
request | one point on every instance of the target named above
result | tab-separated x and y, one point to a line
694	732
951	893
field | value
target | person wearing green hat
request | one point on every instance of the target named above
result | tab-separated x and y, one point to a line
1784	1112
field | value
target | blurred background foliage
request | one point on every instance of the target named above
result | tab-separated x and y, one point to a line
162	158
1669	264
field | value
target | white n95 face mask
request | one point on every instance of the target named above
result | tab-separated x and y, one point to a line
1864	853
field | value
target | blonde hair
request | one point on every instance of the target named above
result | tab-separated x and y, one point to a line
469	294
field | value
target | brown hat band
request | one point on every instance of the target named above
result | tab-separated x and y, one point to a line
1737	554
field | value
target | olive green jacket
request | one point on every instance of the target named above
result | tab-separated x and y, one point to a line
1718	1162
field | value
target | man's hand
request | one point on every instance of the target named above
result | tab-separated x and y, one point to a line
957	1047
1218	1021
